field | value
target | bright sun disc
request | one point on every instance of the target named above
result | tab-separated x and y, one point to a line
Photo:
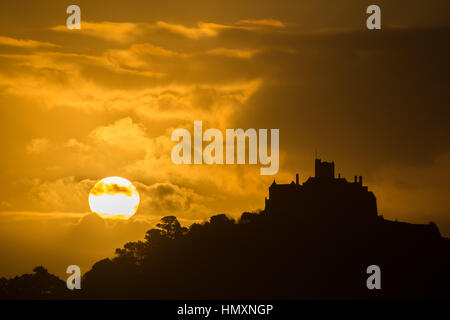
114	198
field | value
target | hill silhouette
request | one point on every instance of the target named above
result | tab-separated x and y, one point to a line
312	241
38	285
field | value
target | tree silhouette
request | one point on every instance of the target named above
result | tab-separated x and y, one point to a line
39	285
266	256
261	256
171	228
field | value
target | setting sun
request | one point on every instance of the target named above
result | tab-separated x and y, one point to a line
114	198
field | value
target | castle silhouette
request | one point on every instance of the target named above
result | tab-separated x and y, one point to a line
328	199
322	194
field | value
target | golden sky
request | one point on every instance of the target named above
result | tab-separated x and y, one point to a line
80	105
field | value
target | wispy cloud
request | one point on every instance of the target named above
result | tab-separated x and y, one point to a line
201	31
236	53
12	42
262	22
127	32
123	133
38	145
112	31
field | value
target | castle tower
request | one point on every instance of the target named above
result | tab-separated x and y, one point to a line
324	170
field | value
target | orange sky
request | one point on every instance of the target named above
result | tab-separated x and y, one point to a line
80	105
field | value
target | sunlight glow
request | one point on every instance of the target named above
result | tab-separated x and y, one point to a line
114	198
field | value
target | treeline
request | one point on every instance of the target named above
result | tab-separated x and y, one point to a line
261	256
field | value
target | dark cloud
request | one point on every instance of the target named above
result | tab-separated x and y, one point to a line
111	188
378	98
165	198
